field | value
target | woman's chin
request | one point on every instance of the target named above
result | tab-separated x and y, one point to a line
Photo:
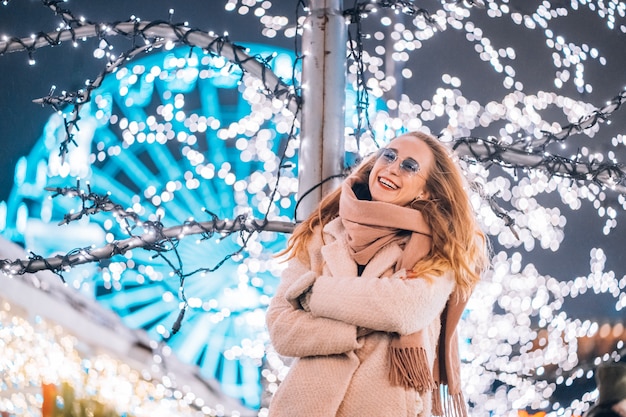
386	197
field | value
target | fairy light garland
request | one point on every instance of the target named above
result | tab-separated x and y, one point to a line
39	355
154	34
526	385
164	240
154	237
532	334
528	223
485	150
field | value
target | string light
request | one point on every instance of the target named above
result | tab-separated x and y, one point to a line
40	357
522	361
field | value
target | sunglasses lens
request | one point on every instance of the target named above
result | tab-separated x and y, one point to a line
388	155
410	166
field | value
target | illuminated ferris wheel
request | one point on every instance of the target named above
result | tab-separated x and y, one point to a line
176	135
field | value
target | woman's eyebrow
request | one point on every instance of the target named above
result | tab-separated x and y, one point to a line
408	157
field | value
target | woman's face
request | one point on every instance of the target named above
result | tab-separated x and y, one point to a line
394	178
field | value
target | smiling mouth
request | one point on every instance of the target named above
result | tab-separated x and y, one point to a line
387	184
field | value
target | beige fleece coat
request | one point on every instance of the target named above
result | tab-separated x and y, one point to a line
341	368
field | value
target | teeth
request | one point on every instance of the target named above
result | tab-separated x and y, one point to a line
387	183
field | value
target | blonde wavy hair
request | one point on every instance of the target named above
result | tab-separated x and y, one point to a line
458	244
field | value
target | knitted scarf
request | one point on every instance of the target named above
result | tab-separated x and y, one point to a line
371	225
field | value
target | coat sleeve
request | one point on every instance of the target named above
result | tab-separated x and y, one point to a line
297	333
391	304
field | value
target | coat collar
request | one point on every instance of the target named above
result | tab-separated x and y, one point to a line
336	254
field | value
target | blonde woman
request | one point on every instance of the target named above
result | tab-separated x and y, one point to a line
376	283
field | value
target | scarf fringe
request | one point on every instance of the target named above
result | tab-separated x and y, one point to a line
408	367
448	405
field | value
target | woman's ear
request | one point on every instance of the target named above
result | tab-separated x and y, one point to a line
424	195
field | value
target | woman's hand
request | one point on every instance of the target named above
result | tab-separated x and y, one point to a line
404	274
411	274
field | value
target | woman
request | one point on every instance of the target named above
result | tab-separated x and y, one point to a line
376	282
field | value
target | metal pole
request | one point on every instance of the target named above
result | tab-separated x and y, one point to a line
323	97
392	67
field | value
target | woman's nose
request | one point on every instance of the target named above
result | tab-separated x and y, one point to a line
394	167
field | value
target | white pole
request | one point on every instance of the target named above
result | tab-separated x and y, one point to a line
392	67
323	102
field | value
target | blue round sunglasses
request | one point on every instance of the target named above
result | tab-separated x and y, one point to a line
408	166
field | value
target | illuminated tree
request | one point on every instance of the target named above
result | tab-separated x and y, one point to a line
497	80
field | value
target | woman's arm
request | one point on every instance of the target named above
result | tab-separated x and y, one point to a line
297	333
389	304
